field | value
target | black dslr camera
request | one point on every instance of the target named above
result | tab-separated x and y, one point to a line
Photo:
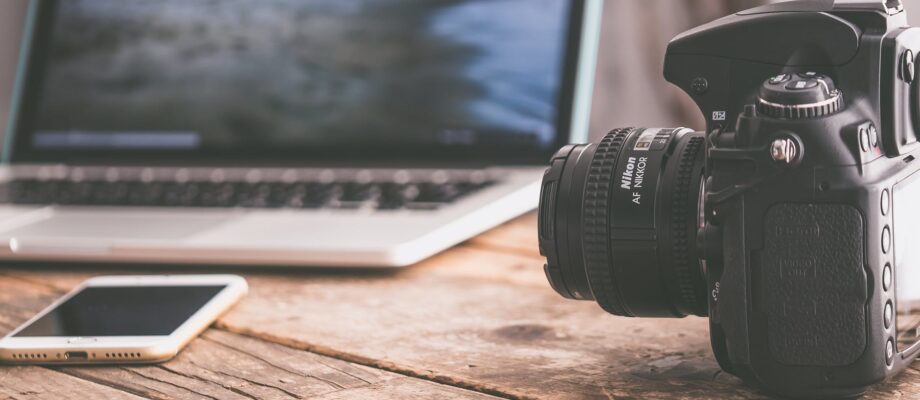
793	222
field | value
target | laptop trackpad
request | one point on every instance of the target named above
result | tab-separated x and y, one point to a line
125	225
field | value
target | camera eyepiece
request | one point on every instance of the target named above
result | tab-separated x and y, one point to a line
618	222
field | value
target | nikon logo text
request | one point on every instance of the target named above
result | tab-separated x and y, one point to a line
634	173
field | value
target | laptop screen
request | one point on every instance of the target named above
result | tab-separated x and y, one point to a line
299	81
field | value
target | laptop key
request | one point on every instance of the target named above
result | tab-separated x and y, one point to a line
359	192
181	194
73	193
394	196
320	195
109	193
217	195
307	195
253	195
144	194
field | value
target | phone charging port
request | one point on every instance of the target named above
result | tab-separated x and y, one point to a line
76	355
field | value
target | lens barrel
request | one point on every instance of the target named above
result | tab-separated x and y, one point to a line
618	222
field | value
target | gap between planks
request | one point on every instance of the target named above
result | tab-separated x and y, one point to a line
518	237
291	344
376	364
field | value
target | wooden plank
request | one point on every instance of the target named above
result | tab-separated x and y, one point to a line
396	390
518	236
904	386
482	318
39	383
452	321
224	365
413	319
20	300
471	318
220	365
504	335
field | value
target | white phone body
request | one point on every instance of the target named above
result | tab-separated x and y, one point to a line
123	349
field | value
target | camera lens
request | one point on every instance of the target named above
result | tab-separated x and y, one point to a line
618	222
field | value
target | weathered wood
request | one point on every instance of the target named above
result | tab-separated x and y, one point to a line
518	236
20	300
398	391
480	320
904	386
220	365
224	365
31	383
452	320
481	317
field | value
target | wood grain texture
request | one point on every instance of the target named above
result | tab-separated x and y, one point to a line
223	365
219	365
454	320
480	317
476	319
33	383
517	237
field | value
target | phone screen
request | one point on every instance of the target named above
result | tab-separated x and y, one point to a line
123	311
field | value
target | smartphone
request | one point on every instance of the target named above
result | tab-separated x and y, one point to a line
123	319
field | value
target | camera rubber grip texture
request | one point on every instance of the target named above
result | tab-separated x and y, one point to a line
684	207
597	245
814	285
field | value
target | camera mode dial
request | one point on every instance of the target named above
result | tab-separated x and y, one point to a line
799	95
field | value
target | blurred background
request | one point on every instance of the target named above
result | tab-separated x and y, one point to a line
629	87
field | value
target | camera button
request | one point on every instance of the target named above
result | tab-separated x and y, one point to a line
776	80
699	85
889	351
886	201
886	239
889	314
873	136
886	277
809	75
802	84
864	140
908	70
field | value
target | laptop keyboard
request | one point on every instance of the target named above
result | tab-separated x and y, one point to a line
292	195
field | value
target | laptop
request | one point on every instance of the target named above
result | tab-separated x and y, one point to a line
349	133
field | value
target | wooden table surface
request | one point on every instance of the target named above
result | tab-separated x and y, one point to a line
478	321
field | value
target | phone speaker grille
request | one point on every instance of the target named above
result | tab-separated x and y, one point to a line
122	356
45	356
30	356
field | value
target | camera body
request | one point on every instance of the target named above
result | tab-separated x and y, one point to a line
797	248
788	222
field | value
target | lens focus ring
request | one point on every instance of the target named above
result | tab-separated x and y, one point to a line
596	224
685	201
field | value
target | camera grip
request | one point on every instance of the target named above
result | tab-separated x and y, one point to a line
813	284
